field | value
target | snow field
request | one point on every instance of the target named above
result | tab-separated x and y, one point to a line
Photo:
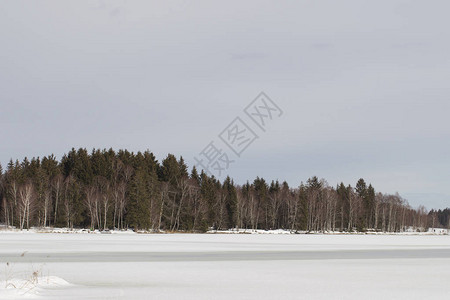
224	266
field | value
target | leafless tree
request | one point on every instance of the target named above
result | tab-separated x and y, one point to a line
241	207
128	172
5	210
57	187
121	200
104	188
199	207
13	193
274	207
293	202
330	199
353	200
47	206
27	201
90	202
253	209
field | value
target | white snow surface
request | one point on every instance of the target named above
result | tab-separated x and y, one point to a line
224	266
31	287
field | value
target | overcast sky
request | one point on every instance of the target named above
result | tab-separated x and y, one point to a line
364	85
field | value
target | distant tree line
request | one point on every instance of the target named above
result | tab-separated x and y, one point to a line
107	189
439	218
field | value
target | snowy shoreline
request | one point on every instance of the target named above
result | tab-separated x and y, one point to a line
431	231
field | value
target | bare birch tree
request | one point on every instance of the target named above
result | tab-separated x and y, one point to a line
27	201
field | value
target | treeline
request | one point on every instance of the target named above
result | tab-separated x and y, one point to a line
439	218
107	189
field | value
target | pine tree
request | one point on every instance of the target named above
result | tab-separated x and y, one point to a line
73	207
101	165
361	188
314	183
274	203
208	194
50	166
153	192
150	162
183	167
261	193
230	202
344	206
195	176
138	216
170	170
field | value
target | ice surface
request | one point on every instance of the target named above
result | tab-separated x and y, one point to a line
223	266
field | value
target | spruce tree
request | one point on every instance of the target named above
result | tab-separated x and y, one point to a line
261	191
195	176
370	207
230	202
183	167
138	213
344	206
170	170
361	188
208	194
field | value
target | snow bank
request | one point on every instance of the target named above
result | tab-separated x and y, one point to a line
32	287
438	231
64	230
409	231
252	231
431	231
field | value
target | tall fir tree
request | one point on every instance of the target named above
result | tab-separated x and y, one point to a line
138	214
370	207
195	176
230	202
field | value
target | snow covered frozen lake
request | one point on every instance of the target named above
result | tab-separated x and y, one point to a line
223	266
